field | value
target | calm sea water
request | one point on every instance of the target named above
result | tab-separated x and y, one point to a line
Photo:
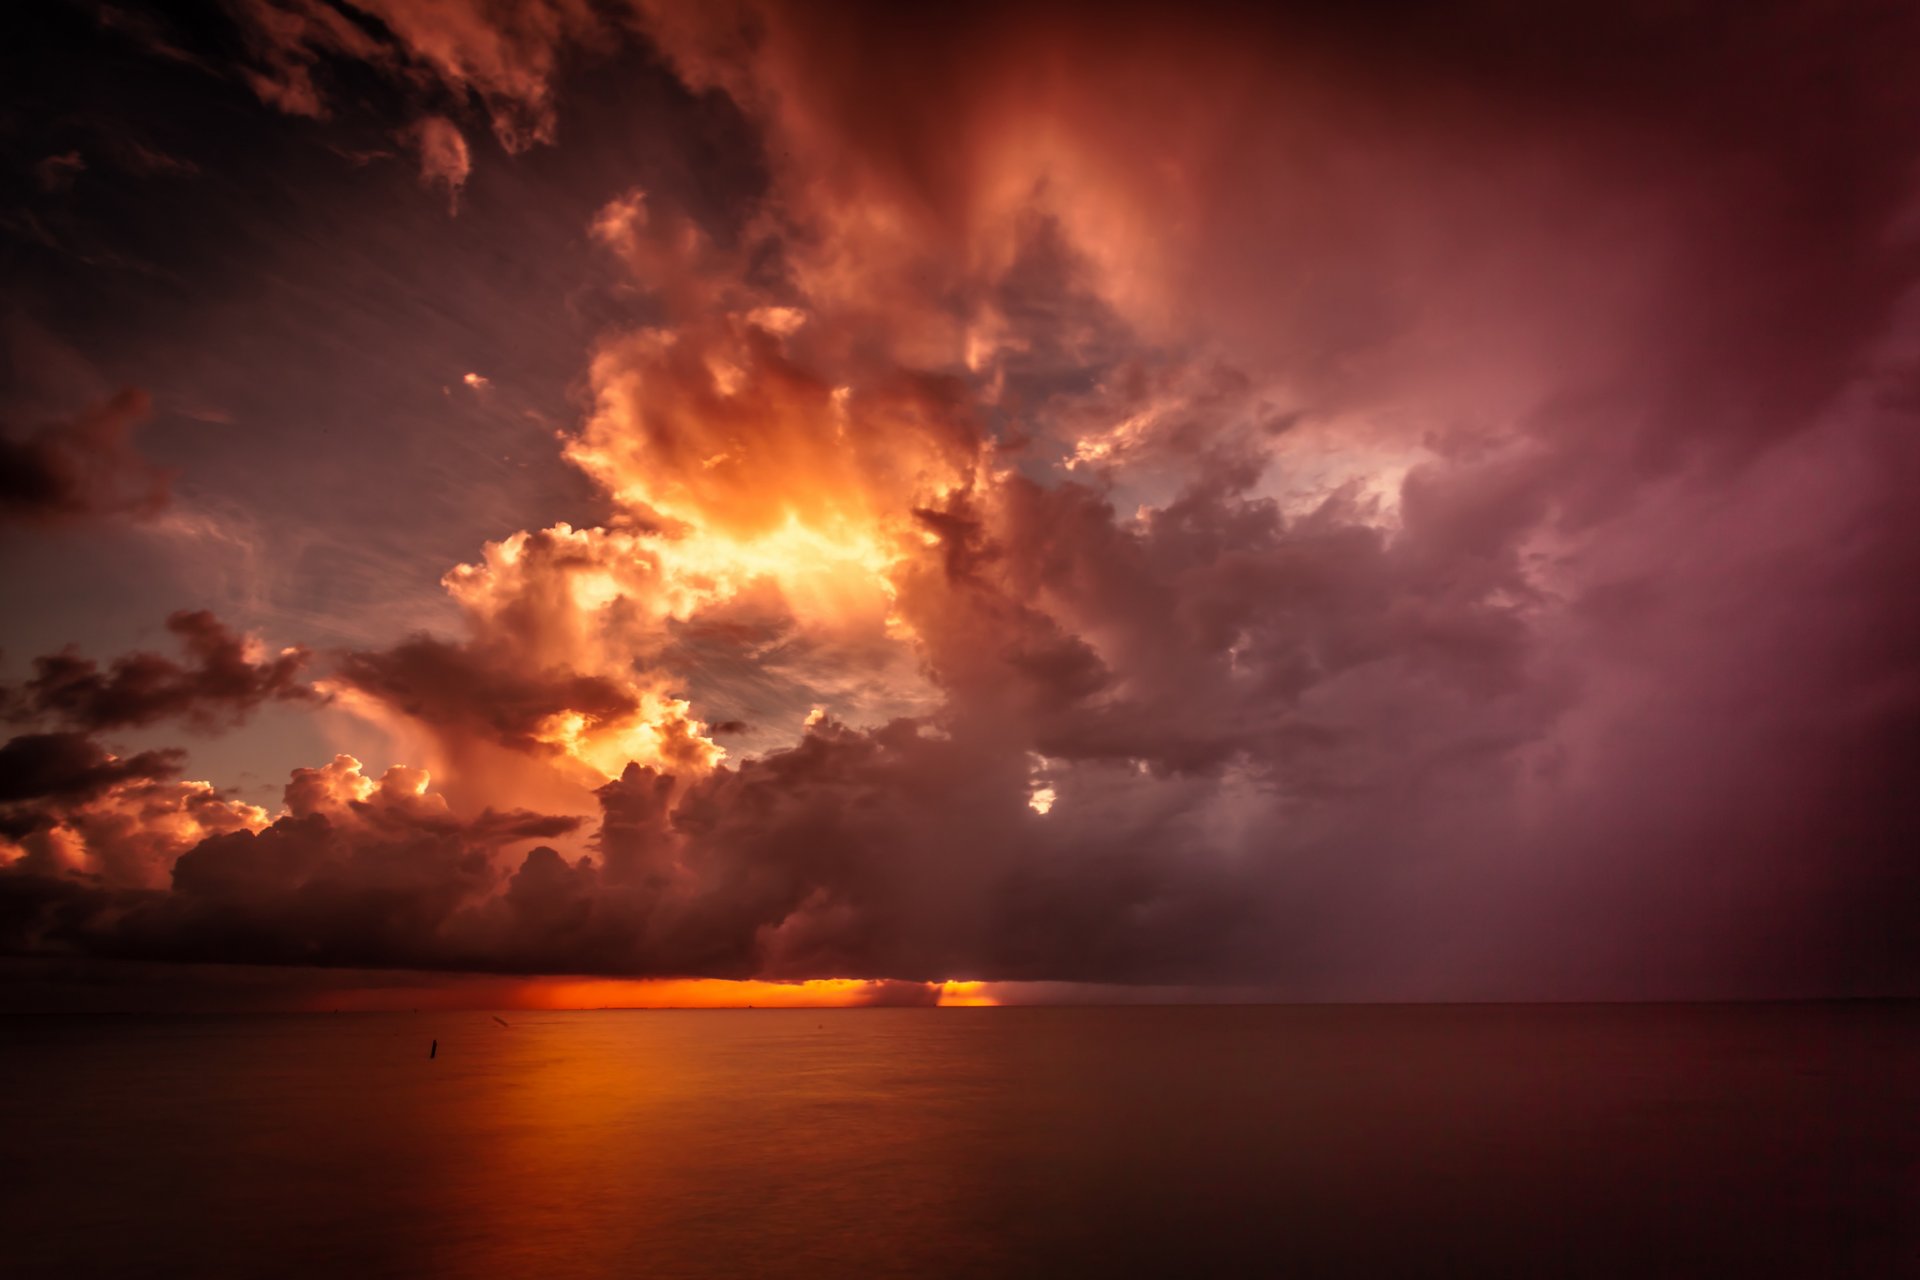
1476	1141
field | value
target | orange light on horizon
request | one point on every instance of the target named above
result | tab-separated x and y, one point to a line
657	993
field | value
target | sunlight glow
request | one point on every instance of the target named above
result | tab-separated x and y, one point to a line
715	993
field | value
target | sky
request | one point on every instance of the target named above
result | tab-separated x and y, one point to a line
612	501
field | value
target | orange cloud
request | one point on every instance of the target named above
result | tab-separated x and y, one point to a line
128	835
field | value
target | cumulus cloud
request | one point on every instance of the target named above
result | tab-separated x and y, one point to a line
355	867
70	808
81	468
550	693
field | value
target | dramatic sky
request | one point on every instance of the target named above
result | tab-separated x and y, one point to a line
1337	501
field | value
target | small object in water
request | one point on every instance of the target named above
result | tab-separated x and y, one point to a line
502	1021
435	1050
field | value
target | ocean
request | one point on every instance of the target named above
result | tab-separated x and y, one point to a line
1474	1141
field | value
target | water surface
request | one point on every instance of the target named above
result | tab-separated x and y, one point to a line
1602	1141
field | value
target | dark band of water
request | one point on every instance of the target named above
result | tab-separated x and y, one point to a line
1471	1141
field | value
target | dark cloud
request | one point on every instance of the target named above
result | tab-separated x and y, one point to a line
786	868
72	766
221	683
462	689
83	467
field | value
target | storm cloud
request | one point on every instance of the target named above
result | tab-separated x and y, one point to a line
1398	504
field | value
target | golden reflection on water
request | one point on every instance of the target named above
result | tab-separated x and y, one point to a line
697	1143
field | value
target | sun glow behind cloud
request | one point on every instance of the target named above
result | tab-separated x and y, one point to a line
759	507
